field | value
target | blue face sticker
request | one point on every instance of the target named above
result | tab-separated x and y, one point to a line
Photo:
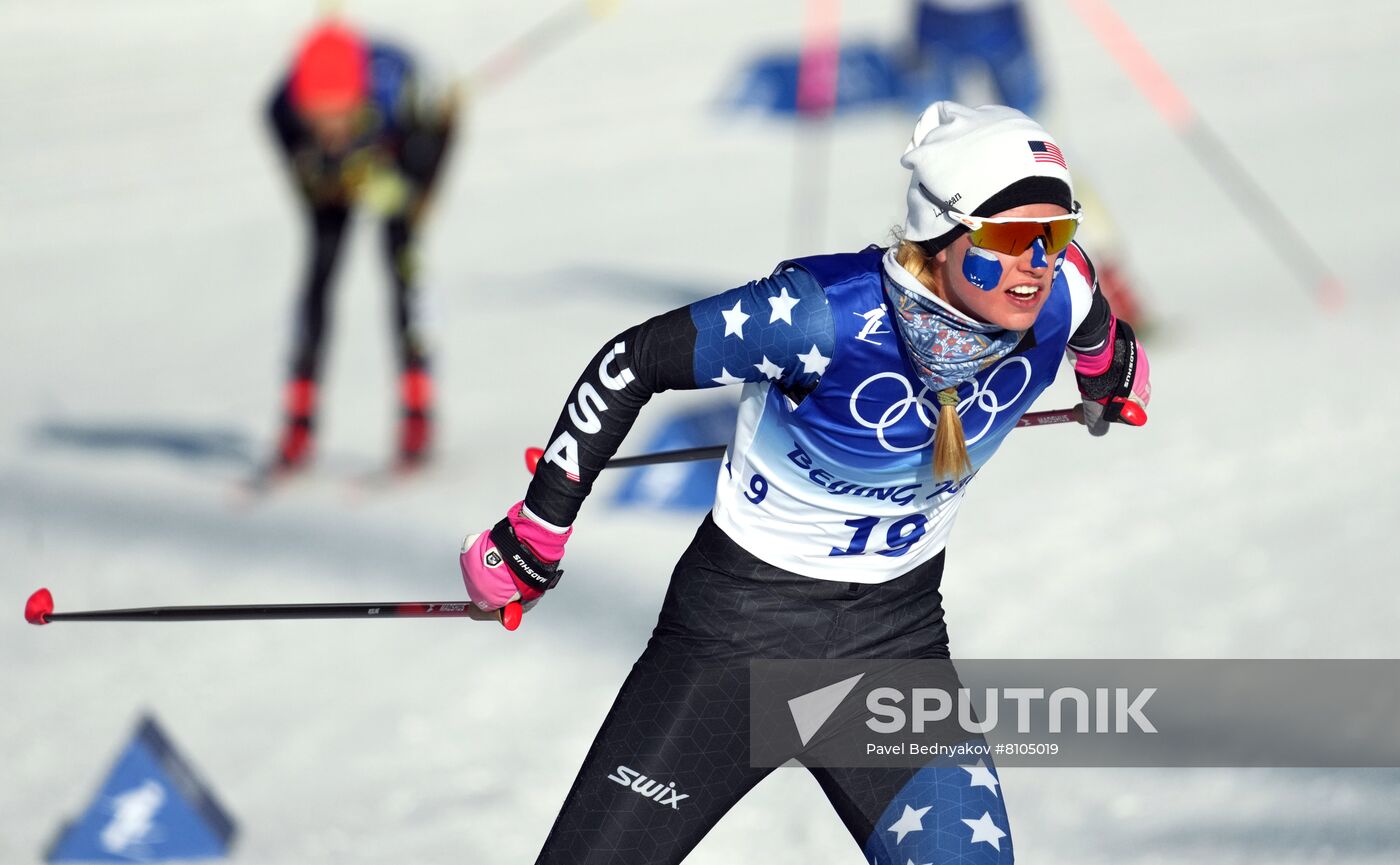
1038	253
982	268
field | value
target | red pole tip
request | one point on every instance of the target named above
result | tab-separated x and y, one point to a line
532	458
37	609
1132	414
511	614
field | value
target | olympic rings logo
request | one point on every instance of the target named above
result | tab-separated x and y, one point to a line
925	406
926	409
987	400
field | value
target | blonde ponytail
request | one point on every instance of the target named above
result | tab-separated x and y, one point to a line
950	459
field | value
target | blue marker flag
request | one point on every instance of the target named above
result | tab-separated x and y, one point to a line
151	808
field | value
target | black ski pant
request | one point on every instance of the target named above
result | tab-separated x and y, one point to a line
328	224
672	756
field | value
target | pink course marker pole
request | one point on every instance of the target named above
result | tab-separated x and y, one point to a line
818	70
1209	149
820	61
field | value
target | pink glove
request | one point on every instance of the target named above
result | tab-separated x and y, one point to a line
1114	381
518	559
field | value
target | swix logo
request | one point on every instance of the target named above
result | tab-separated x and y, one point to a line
585	411
665	794
873	320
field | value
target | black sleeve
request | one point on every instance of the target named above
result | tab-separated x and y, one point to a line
282	118
778	329
652	357
1093	331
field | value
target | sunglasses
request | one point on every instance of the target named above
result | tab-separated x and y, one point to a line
1013	235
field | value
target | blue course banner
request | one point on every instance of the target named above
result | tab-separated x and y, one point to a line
679	486
151	808
868	76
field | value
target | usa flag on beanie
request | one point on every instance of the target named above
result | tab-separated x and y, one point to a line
1046	152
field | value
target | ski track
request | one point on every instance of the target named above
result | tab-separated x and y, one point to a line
149	248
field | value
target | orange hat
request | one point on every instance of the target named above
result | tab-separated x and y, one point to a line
331	70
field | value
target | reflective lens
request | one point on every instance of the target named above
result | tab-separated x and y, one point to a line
1014	238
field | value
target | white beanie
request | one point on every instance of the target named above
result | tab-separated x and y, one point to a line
966	157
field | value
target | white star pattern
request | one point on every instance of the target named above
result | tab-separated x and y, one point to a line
982	776
768	368
726	378
813	361
782	306
734	319
983	829
912	820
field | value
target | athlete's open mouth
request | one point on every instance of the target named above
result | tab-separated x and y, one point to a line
1023	292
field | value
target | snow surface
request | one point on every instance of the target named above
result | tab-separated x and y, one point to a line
148	250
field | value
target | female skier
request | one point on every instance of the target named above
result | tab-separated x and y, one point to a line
876	383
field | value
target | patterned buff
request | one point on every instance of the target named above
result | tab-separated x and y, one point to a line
947	349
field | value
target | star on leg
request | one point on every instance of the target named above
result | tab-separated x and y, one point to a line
981	776
726	378
782	306
768	368
912	820
813	361
983	829
734	319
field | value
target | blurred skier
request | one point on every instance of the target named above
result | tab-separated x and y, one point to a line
876	384
953	41
952	38
353	120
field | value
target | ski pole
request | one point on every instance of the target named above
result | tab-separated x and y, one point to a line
1074	414
1116	37
714	452
39	611
551	30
